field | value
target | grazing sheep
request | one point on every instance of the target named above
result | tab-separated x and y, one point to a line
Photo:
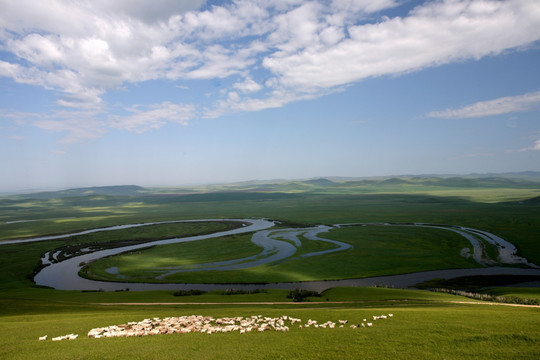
208	325
65	337
43	338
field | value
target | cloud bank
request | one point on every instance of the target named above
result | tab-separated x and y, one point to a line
268	54
500	106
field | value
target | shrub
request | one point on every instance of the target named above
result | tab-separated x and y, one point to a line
488	297
242	292
298	295
188	292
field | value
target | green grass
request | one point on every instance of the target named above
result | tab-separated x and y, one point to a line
474	283
518	222
425	326
518	292
311	246
429	328
18	261
141	264
378	250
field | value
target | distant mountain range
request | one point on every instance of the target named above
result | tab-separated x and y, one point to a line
522	180
120	190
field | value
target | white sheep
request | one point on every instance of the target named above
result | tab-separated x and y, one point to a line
208	325
43	338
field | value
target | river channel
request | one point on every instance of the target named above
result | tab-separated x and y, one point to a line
276	245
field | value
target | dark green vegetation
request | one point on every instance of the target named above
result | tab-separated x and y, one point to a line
485	288
478	282
298	295
425	324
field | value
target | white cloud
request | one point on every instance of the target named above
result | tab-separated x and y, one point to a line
77	126
296	29
298	49
248	86
535	147
503	105
38	49
431	35
364	6
218	62
274	99
153	117
21	74
148	11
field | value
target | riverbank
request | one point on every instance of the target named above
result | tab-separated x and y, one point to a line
64	275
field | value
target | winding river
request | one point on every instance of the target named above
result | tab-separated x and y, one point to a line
276	245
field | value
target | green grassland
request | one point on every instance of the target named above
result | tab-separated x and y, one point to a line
518	292
425	324
377	251
510	211
123	237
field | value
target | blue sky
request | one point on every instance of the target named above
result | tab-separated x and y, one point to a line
167	93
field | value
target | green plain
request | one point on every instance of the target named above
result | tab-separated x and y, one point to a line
377	250
425	325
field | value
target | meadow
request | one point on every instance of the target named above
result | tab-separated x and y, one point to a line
376	251
425	324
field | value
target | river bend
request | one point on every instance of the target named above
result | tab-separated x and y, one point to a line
276	245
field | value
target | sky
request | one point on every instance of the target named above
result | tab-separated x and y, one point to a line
172	93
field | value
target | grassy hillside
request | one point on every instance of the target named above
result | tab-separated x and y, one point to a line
424	325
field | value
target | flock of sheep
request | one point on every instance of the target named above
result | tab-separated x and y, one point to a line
209	325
